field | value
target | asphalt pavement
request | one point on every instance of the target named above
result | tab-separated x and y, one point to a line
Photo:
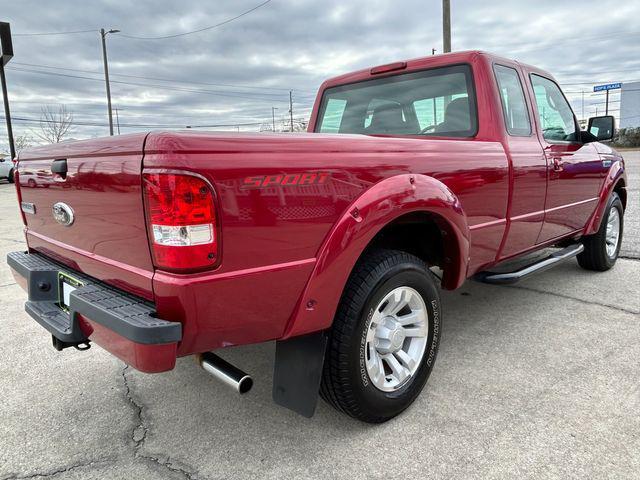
537	380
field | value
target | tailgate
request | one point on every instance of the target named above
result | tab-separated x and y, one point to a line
101	190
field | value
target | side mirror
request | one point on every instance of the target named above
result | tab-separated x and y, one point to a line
601	128
1	160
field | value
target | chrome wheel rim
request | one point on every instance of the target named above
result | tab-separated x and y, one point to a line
612	236
396	339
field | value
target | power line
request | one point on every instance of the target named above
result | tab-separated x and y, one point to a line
155	78
592	82
242	95
200	29
566	39
38	34
73	32
134	125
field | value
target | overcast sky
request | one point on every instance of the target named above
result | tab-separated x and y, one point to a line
235	73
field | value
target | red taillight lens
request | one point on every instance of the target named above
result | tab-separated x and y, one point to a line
181	221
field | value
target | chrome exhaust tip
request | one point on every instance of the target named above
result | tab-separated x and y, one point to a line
228	374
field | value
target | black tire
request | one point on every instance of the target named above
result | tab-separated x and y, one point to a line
346	385
595	256
10	177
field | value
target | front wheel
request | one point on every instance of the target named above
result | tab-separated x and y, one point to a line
602	248
385	337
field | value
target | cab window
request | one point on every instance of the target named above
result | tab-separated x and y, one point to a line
435	102
514	106
556	117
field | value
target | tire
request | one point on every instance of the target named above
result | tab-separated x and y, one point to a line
10	177
347	381
596	256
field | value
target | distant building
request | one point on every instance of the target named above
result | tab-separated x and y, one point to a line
630	105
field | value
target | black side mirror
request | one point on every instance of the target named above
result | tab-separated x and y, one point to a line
601	128
1	160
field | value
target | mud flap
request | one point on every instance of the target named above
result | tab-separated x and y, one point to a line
297	372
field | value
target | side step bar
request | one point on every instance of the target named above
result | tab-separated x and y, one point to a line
540	266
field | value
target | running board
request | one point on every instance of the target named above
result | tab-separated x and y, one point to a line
540	266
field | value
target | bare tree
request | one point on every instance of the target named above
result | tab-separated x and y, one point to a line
21	142
55	124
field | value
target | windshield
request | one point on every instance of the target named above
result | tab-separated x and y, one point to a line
436	102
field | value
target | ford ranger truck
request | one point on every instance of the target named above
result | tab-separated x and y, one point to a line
414	176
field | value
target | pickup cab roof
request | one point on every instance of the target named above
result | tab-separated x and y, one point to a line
467	56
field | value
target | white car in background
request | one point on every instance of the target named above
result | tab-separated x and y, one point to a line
6	169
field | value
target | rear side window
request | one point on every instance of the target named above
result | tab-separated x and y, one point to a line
556	117
514	106
435	102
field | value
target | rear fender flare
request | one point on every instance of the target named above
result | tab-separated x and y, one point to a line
616	173
366	216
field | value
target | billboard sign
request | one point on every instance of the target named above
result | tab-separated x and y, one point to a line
608	86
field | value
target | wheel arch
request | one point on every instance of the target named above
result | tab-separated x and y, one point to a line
615	181
399	200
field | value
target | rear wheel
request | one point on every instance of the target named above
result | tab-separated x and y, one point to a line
602	248
385	337
10	177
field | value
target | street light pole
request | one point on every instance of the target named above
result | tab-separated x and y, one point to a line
446	26
273	118
291	108
103	36
117	121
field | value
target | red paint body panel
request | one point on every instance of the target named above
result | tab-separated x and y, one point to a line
108	239
287	245
146	358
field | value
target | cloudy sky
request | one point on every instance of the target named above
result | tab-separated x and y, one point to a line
235	73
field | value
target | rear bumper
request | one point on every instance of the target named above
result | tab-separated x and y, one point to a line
122	324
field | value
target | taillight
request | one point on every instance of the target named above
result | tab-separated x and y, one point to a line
181	221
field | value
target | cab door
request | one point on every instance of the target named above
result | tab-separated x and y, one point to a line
528	162
574	169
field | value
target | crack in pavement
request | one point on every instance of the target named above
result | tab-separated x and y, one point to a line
58	471
140	431
7	284
569	297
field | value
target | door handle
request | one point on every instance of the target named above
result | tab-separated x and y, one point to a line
557	164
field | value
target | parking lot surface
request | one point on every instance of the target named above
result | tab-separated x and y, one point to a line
537	380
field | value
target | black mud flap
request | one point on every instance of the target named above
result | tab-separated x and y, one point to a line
297	372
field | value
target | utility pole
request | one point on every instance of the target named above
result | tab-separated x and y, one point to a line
433	51
7	111
117	121
103	36
6	53
606	108
446	26
291	108
273	118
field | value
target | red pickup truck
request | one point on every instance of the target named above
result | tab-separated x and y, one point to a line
334	243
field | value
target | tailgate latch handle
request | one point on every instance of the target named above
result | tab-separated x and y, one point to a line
59	166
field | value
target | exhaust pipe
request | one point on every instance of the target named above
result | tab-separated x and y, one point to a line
224	371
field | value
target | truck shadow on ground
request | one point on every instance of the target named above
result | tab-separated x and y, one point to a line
502	347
